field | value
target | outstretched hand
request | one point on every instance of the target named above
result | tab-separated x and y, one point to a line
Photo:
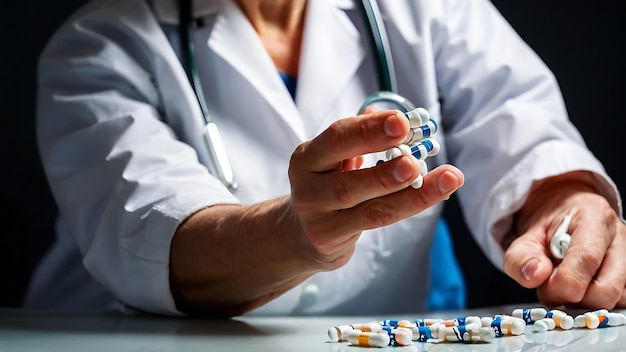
287	239
334	200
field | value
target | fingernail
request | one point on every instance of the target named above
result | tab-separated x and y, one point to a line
403	170
392	127
446	183
529	269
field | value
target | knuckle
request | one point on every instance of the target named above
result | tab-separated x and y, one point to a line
297	160
338	133
509	264
298	153
590	258
315	234
363	129
379	214
336	137
607	217
422	198
611	293
577	287
302	200
299	203
343	191
319	245
384	178
545	298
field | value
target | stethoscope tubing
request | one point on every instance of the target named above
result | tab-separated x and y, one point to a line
211	134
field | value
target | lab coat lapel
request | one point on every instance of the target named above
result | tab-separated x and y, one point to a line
233	38
332	52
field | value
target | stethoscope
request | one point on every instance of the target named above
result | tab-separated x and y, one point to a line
213	140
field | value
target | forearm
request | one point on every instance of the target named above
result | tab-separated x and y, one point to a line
229	259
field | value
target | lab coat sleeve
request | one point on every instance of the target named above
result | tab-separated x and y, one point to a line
122	179
505	120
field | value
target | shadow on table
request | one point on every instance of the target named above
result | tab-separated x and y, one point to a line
114	322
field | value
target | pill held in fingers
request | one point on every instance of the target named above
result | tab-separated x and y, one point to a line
417	142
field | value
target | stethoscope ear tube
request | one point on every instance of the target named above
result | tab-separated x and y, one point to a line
384	62
380	46
211	134
217	152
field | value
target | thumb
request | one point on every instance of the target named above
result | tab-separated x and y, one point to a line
526	260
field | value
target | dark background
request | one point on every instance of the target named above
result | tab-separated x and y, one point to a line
580	41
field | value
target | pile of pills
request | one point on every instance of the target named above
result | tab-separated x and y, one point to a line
417	142
469	329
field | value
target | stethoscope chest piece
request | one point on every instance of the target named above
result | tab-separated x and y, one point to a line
387	100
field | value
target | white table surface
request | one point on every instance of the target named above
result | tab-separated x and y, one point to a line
30	331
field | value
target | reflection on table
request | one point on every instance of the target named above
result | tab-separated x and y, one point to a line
113	331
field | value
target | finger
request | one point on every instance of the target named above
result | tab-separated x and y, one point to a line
349	137
607	286
438	185
592	235
343	190
526	259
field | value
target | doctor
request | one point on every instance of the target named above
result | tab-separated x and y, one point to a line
315	227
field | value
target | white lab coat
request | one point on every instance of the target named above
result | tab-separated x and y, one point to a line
120	138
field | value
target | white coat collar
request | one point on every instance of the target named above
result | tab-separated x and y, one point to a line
167	10
332	52
329	34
